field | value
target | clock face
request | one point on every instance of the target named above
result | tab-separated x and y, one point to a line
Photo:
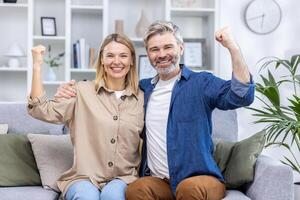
263	16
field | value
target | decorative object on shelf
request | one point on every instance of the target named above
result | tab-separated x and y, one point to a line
52	62
282	119
194	53
119	26
48	26
142	24
14	52
92	58
262	16
185	3
9	1
3	128
146	70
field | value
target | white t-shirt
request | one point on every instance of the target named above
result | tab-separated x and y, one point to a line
156	127
119	93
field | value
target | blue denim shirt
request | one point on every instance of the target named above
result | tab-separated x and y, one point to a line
189	128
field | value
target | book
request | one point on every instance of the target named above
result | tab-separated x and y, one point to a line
91	57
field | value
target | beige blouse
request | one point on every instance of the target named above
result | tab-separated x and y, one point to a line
104	131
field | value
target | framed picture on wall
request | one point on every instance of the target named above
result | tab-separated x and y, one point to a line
194	53
145	68
48	26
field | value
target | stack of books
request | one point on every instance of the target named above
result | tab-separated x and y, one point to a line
83	55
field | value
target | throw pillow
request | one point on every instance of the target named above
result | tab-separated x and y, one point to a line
237	160
53	155
3	128
17	163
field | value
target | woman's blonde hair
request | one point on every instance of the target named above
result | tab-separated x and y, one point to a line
131	78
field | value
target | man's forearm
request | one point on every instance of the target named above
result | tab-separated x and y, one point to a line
239	67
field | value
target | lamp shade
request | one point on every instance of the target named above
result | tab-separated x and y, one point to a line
15	50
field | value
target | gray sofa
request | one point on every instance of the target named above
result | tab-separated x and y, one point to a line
272	181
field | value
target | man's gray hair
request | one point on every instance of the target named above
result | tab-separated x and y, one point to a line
161	27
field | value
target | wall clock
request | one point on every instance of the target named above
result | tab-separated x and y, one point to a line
263	16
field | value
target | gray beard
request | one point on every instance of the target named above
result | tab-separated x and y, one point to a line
166	70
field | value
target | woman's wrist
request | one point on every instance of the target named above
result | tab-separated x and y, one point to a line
36	66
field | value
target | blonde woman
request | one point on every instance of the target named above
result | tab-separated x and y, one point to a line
105	120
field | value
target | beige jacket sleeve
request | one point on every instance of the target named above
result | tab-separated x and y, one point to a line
53	111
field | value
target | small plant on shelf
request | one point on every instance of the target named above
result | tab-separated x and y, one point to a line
53	61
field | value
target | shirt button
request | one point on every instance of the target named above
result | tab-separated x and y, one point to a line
112	141
115	117
110	164
123	98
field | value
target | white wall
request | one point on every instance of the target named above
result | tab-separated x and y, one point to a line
283	42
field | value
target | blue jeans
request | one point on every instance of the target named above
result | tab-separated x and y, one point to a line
85	190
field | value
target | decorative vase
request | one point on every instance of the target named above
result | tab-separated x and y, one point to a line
142	24
51	75
297	190
119	26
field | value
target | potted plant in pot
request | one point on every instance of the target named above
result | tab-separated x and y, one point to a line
282	119
53	63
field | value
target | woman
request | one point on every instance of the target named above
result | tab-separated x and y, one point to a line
105	119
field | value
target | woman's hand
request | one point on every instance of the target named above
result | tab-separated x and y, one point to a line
38	53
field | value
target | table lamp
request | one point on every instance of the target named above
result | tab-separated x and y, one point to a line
14	52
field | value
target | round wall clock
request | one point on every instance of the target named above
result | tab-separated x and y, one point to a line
263	16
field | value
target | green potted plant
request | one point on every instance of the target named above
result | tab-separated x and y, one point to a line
282	119
52	62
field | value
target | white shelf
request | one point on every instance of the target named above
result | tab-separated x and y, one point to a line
86	7
82	70
53	82
52	38
13	5
192	12
8	69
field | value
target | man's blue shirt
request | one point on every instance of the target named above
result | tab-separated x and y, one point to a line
189	128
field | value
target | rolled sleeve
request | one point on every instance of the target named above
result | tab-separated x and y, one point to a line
239	88
36	100
52	111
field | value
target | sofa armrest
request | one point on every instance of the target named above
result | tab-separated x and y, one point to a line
272	180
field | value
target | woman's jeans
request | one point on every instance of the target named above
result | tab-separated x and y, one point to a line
85	190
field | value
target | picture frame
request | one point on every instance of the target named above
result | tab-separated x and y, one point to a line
48	26
146	70
195	55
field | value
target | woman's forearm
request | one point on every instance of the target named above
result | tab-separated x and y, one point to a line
37	88
37	60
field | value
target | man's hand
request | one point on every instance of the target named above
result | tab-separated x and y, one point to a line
66	90
226	39
239	67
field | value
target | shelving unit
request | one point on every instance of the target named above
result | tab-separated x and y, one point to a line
91	20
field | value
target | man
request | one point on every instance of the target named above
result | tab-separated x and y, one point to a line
177	154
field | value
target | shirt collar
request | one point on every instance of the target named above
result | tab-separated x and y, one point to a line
184	73
128	90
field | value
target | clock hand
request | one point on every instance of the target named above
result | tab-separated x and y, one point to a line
262	21
256	17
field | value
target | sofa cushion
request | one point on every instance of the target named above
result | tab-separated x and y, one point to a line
235	195
20	122
53	154
237	160
27	193
17	163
